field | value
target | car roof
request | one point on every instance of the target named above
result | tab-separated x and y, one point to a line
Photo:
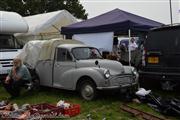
71	46
166	27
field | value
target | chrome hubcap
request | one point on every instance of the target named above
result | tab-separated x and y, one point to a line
87	91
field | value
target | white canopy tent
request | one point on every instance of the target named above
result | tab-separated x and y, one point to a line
46	25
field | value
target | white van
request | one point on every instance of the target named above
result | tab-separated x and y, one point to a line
10	23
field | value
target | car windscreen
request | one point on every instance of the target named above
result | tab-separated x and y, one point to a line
83	53
7	42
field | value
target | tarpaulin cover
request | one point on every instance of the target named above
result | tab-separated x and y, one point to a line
114	21
33	51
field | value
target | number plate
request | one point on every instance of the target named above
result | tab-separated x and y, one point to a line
153	60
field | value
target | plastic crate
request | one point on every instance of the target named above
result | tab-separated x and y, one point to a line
45	109
73	110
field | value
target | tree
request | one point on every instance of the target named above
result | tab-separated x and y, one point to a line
32	7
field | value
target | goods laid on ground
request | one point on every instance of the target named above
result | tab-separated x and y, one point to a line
166	106
38	111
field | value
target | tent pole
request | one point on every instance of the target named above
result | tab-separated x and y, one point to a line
129	33
64	37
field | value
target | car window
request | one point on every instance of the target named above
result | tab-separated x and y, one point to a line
7	42
83	53
164	40
63	55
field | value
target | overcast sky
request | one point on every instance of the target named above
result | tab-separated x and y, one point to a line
157	10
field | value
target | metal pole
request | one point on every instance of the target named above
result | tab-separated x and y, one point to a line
170	11
129	32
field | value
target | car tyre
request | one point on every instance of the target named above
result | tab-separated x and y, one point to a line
87	90
168	85
36	83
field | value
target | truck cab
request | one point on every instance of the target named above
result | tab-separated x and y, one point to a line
11	23
9	48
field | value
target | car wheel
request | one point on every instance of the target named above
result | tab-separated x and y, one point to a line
87	90
36	82
35	79
168	85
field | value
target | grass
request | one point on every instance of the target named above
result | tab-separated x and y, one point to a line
106	106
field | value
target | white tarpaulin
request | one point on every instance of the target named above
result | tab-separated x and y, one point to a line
36	50
102	41
46	25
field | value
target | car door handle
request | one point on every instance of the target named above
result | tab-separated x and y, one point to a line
57	65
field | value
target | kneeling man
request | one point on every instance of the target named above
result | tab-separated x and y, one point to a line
18	76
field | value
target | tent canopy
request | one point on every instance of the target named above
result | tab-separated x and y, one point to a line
46	25
116	20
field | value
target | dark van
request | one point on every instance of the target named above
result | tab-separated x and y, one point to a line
161	57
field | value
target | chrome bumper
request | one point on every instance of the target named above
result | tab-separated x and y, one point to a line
118	87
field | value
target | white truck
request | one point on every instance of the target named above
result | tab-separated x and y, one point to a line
10	23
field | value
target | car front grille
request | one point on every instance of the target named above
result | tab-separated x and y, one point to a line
121	80
6	62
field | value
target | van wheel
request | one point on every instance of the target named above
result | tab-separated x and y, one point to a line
168	85
87	90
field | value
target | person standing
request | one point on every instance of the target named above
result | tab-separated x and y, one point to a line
133	52
115	44
133	46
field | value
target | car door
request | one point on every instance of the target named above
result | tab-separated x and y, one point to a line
63	69
154	47
44	69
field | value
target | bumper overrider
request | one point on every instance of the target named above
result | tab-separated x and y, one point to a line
122	81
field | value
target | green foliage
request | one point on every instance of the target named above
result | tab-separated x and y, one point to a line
32	7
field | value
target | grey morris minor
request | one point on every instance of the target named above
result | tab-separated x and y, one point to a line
80	67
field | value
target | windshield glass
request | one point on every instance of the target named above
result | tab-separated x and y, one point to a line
86	53
7	42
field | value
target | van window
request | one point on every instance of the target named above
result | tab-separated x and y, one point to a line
7	42
63	55
166	40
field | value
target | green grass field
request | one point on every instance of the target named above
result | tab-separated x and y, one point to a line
105	106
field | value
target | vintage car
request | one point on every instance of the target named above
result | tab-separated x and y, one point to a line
61	64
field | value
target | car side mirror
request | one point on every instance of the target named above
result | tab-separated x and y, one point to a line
96	62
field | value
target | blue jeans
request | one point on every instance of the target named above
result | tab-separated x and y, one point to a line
14	87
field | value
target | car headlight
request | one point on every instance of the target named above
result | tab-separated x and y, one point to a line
134	72
107	74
